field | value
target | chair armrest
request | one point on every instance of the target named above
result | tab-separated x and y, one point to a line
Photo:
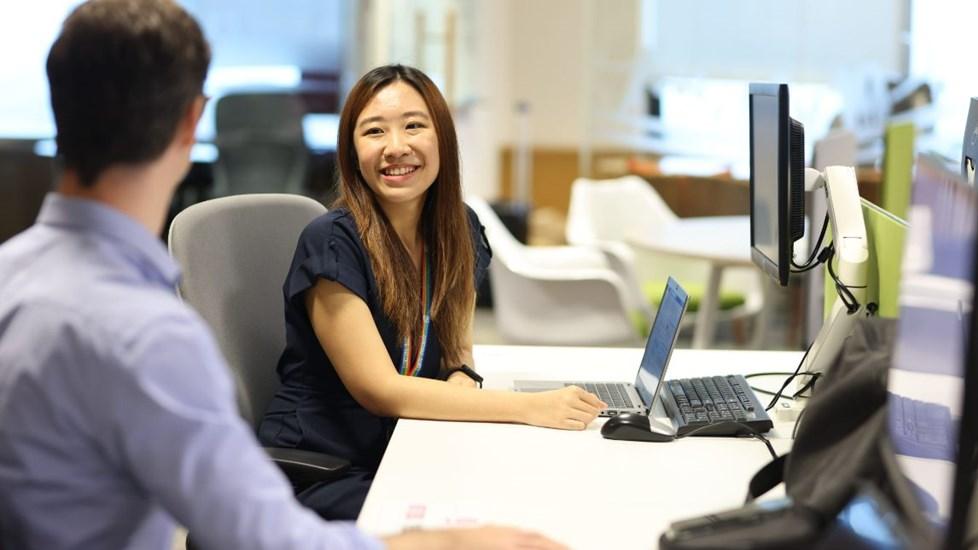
621	260
303	468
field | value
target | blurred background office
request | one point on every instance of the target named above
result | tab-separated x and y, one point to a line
551	97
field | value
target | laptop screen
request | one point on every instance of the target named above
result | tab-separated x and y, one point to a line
661	340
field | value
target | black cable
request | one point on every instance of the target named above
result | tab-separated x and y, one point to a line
815	250
788	397
756	374
846	295
810	385
768	392
788	380
807	268
753	433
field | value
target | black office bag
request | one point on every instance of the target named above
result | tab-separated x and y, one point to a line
842	432
841	446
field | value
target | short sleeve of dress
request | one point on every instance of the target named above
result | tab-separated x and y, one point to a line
483	253
329	248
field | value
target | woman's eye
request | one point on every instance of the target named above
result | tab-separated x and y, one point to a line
415	126
372	131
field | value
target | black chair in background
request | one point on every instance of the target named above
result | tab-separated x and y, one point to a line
260	144
24	180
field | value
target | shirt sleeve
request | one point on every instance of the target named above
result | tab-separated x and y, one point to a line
182	440
483	253
330	249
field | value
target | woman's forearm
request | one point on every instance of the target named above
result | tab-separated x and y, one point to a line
407	397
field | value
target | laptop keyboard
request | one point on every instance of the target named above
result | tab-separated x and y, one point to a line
614	394
717	400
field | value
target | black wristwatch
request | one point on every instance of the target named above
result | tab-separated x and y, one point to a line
467	370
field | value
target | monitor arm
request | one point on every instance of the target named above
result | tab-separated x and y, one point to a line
852	254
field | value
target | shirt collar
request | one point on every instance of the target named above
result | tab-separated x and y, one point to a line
92	216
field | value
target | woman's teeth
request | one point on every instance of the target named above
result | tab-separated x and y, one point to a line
399	171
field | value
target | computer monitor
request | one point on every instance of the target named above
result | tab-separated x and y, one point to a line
963	520
777	180
926	381
969	147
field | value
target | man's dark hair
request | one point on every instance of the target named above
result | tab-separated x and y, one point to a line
122	73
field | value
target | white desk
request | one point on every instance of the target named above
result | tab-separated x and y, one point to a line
577	487
723	241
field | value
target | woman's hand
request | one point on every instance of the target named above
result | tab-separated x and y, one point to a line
569	408
459	378
480	538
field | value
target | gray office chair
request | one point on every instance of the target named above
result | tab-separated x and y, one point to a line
235	253
260	144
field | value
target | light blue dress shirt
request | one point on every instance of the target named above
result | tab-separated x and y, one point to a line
117	412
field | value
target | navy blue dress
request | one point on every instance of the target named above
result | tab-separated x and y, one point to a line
313	409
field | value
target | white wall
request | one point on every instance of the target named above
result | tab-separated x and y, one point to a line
570	60
484	121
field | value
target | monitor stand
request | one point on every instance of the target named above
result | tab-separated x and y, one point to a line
852	255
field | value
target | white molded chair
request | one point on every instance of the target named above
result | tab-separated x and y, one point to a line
559	295
609	213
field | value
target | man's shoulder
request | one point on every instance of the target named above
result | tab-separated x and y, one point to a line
117	319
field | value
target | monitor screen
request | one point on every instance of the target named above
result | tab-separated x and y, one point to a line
661	340
969	149
777	204
926	379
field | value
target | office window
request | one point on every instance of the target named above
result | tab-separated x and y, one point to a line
942	52
699	55
253	43
27	31
797	41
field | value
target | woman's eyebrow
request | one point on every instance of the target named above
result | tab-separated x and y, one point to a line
370	120
421	114
408	114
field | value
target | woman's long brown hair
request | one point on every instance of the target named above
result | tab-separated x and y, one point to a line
444	223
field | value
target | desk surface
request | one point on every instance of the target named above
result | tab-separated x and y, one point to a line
581	489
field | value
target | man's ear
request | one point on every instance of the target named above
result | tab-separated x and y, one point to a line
188	123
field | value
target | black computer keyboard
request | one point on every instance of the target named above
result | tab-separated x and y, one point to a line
713	404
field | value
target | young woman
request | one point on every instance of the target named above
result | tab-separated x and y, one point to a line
381	293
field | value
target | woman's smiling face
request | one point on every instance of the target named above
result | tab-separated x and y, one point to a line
396	144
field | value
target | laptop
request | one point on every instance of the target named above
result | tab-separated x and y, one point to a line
687	404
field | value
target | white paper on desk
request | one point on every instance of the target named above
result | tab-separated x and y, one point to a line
417	515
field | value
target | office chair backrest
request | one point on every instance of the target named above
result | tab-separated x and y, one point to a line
260	143
235	253
25	178
614	210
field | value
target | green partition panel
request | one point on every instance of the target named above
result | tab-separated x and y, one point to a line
897	168
885	234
